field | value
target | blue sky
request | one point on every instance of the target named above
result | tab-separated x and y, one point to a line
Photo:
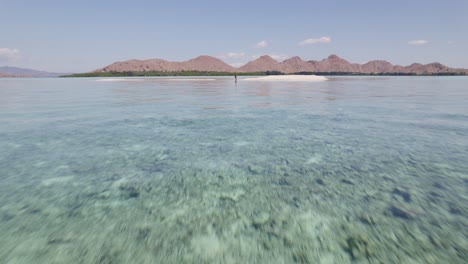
76	36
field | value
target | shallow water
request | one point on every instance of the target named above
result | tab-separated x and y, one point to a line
155	170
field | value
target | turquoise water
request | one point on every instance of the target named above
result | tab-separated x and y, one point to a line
351	170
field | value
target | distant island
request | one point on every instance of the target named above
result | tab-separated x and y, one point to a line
15	72
266	65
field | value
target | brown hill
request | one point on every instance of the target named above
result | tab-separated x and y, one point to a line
138	65
377	66
262	64
201	63
296	64
335	64
207	63
430	68
292	65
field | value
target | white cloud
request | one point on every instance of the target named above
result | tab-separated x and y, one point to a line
418	42
262	44
233	55
7	54
315	41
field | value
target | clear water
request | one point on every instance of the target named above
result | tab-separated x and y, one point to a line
352	170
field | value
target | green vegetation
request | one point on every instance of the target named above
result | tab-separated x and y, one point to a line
160	73
212	73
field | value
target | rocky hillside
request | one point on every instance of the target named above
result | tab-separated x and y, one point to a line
262	64
201	63
293	65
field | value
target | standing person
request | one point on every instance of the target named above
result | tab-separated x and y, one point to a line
235	77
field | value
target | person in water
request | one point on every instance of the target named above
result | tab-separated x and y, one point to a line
235	76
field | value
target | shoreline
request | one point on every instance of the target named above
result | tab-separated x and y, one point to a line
207	73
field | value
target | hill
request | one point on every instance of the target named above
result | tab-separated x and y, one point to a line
22	72
266	64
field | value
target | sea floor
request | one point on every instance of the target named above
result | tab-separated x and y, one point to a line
258	177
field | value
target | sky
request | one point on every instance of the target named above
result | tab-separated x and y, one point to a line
80	36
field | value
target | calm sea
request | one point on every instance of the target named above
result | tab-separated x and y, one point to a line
202	170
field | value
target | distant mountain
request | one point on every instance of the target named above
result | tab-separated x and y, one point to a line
332	64
336	64
206	63
6	75
377	66
262	64
21	72
296	64
201	63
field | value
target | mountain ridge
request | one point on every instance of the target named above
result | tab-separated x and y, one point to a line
333	64
7	71
200	63
265	63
